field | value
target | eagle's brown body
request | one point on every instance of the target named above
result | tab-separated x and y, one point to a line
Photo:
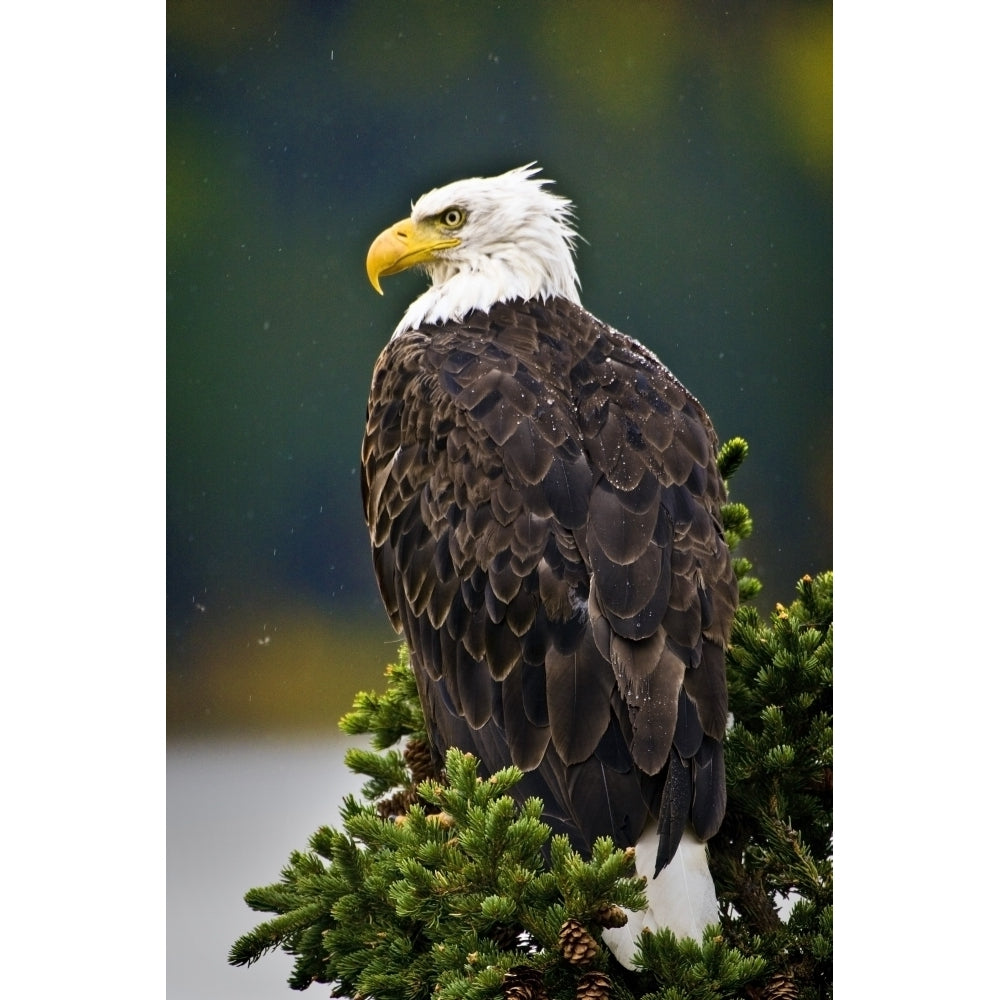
544	507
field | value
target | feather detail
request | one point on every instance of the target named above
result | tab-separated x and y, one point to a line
537	262
681	898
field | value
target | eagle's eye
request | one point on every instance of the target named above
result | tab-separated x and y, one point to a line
452	218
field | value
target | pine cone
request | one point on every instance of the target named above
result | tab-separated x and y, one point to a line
523	983
611	916
781	987
398	804
594	985
417	755
578	947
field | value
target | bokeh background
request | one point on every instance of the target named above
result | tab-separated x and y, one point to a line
695	139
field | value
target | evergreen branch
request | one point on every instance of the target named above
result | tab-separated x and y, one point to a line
775	843
694	971
390	716
736	520
273	933
731	456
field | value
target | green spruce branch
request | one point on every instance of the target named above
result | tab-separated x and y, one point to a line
437	884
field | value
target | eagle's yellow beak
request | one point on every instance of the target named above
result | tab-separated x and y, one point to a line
405	245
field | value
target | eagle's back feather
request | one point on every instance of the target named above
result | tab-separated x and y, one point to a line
544	508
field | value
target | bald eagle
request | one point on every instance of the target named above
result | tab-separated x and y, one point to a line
544	508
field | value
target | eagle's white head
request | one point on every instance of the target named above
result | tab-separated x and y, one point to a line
482	240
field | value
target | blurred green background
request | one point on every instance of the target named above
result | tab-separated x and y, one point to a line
695	139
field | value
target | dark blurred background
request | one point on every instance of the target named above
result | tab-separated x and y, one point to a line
695	139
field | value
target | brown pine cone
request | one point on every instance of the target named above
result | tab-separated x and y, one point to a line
578	947
523	983
781	987
594	985
397	805
611	916
417	755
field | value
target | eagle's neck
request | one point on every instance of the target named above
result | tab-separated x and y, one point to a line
509	273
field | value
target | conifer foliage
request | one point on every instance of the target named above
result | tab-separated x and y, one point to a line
775	844
440	885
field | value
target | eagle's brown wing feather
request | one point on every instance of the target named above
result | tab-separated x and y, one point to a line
543	503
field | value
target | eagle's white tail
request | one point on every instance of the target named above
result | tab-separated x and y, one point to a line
682	897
